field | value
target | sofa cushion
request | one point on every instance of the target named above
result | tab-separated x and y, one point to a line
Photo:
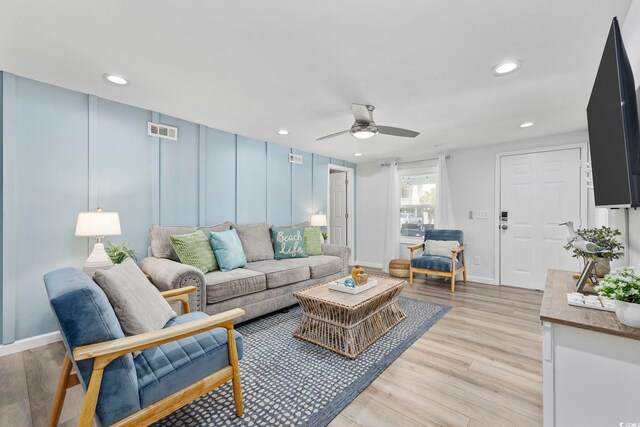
194	249
225	226
170	367
161	243
137	303
280	272
432	262
256	241
321	265
224	285
313	241
228	249
288	243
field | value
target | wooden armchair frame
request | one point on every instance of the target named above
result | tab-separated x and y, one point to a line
106	352
451	274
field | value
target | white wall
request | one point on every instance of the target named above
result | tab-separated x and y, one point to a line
472	179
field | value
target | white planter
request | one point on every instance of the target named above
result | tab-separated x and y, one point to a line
628	313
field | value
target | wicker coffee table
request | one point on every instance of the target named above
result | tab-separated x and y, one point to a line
347	324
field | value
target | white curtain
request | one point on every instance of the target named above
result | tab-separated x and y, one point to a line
444	210
392	224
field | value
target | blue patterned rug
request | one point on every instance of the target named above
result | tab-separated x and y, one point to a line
290	382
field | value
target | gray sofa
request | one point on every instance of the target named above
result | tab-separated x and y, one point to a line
264	285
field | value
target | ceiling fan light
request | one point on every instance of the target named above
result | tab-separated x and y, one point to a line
364	131
364	134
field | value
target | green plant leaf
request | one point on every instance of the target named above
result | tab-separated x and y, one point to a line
118	253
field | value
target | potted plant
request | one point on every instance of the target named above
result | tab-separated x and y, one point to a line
119	253
604	237
325	236
623	285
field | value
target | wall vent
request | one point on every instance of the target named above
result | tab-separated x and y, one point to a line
295	158
162	131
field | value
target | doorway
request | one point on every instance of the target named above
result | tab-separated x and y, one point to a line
536	191
340	203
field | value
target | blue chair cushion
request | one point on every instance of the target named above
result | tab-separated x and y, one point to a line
432	262
170	367
84	317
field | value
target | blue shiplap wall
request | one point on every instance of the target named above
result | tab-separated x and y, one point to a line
66	152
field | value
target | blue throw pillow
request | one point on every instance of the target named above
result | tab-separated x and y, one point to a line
228	249
288	242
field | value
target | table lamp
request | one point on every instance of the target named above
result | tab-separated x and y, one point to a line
318	220
97	224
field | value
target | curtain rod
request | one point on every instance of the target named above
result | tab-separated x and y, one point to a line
448	156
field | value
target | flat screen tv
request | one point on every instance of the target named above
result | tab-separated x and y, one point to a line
614	135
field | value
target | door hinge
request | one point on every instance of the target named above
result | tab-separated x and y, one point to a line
346	216
346	182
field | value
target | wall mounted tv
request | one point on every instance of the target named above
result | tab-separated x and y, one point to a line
614	133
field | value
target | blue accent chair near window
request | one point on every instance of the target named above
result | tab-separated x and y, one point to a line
440	265
191	356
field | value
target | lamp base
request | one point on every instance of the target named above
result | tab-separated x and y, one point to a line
98	260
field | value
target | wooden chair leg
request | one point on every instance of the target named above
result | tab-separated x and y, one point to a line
91	398
233	361
464	269
61	392
453	282
410	276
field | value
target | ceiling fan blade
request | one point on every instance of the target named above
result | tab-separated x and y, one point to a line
334	134
361	113
388	130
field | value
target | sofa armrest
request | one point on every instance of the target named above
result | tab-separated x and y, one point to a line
343	252
166	275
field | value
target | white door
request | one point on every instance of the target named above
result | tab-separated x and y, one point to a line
338	208
538	191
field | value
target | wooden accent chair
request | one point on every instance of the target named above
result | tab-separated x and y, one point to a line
192	355
440	265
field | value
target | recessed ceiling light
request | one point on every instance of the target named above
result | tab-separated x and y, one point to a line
526	124
283	132
438	145
505	68
357	154
115	79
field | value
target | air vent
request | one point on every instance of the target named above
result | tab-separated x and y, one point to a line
162	131
295	158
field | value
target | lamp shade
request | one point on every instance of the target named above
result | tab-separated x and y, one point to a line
98	224
319	220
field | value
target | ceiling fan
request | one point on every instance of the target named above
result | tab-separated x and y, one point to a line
364	127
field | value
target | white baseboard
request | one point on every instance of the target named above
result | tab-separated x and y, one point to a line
367	264
29	343
484	280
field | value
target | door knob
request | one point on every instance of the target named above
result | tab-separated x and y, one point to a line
504	226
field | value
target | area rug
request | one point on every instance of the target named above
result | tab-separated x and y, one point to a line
290	382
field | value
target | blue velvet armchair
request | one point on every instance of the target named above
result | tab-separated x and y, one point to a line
440	265
191	356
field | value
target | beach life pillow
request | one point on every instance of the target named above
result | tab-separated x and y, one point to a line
288	242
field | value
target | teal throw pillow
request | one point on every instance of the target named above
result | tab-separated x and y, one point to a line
194	249
228	249
313	241
288	243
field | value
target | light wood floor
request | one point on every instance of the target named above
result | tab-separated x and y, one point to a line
478	366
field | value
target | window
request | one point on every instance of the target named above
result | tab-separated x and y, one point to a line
417	203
